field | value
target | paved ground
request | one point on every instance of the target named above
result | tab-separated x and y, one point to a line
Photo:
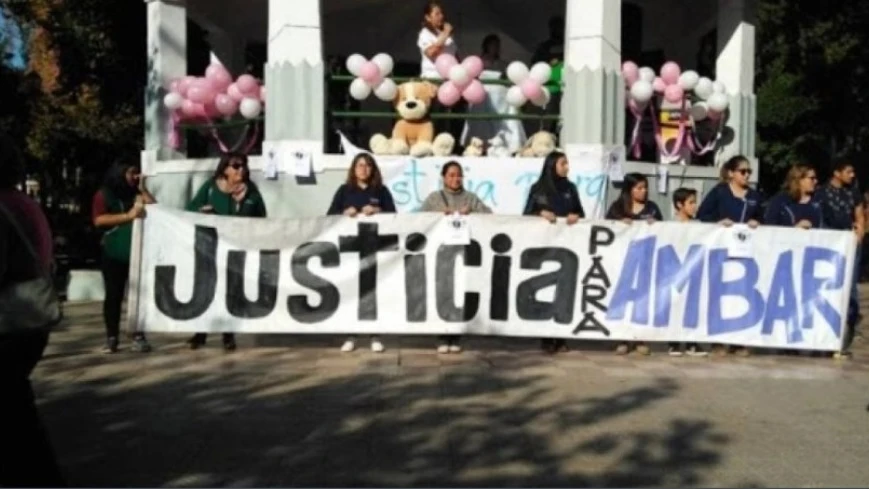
501	414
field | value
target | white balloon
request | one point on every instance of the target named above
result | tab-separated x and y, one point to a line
647	74
250	108
544	98
688	80
541	73
459	75
384	64
359	89
704	88
354	63
699	111
718	102
719	87
515	97
386	90
517	72
173	100
641	91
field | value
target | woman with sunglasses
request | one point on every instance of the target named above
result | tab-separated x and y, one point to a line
732	201
229	192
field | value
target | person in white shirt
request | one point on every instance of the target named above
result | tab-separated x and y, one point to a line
435	38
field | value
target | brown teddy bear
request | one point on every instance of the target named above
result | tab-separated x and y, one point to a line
413	134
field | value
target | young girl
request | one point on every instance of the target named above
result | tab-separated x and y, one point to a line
551	197
362	194
633	205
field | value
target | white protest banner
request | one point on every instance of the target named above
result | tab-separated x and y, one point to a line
501	183
520	276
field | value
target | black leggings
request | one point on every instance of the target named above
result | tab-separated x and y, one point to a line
26	456
115	276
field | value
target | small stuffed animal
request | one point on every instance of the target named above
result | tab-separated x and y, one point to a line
498	146
538	145
414	133
475	148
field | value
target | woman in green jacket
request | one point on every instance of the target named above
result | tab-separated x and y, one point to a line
119	202
228	193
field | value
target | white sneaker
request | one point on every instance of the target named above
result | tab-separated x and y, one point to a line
348	346
455	348
377	346
443	348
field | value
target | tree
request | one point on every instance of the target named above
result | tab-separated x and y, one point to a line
811	74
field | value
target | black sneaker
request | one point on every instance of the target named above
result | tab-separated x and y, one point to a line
229	345
140	345
197	341
111	345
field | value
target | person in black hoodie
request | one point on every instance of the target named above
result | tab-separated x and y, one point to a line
796	205
553	196
732	201
632	205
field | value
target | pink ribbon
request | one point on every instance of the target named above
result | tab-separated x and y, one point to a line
226	149
635	135
174	138
694	142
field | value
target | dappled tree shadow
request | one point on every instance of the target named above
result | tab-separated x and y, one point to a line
315	418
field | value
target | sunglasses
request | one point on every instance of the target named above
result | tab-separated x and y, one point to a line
237	166
744	171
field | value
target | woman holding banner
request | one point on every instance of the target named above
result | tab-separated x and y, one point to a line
453	198
796	205
553	196
362	194
632	205
732	201
114	208
229	192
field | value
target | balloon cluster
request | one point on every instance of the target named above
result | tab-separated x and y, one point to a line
215	95
528	84
460	80
676	87
371	76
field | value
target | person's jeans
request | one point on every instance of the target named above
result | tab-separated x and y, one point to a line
26	456
115	275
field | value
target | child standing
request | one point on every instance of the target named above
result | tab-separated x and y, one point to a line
685	202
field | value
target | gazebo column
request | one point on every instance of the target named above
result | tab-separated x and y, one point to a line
735	68
294	110
167	60
593	108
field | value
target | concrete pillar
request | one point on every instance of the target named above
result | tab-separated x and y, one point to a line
593	108
167	60
735	68
295	96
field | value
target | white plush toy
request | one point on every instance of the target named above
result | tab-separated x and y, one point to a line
498	146
540	144
474	148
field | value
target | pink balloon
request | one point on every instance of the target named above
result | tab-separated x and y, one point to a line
659	84
184	85
174	85
200	92
192	110
673	94
370	73
475	93
235	93
262	93
473	65
225	104
631	72
211	111
670	73
219	78
443	63
531	89
449	94
247	85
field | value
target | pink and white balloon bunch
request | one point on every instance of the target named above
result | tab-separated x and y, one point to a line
460	80
215	95
528	84
371	76
677	87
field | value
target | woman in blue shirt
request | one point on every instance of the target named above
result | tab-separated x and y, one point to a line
732	200
796	205
362	194
553	196
633	204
